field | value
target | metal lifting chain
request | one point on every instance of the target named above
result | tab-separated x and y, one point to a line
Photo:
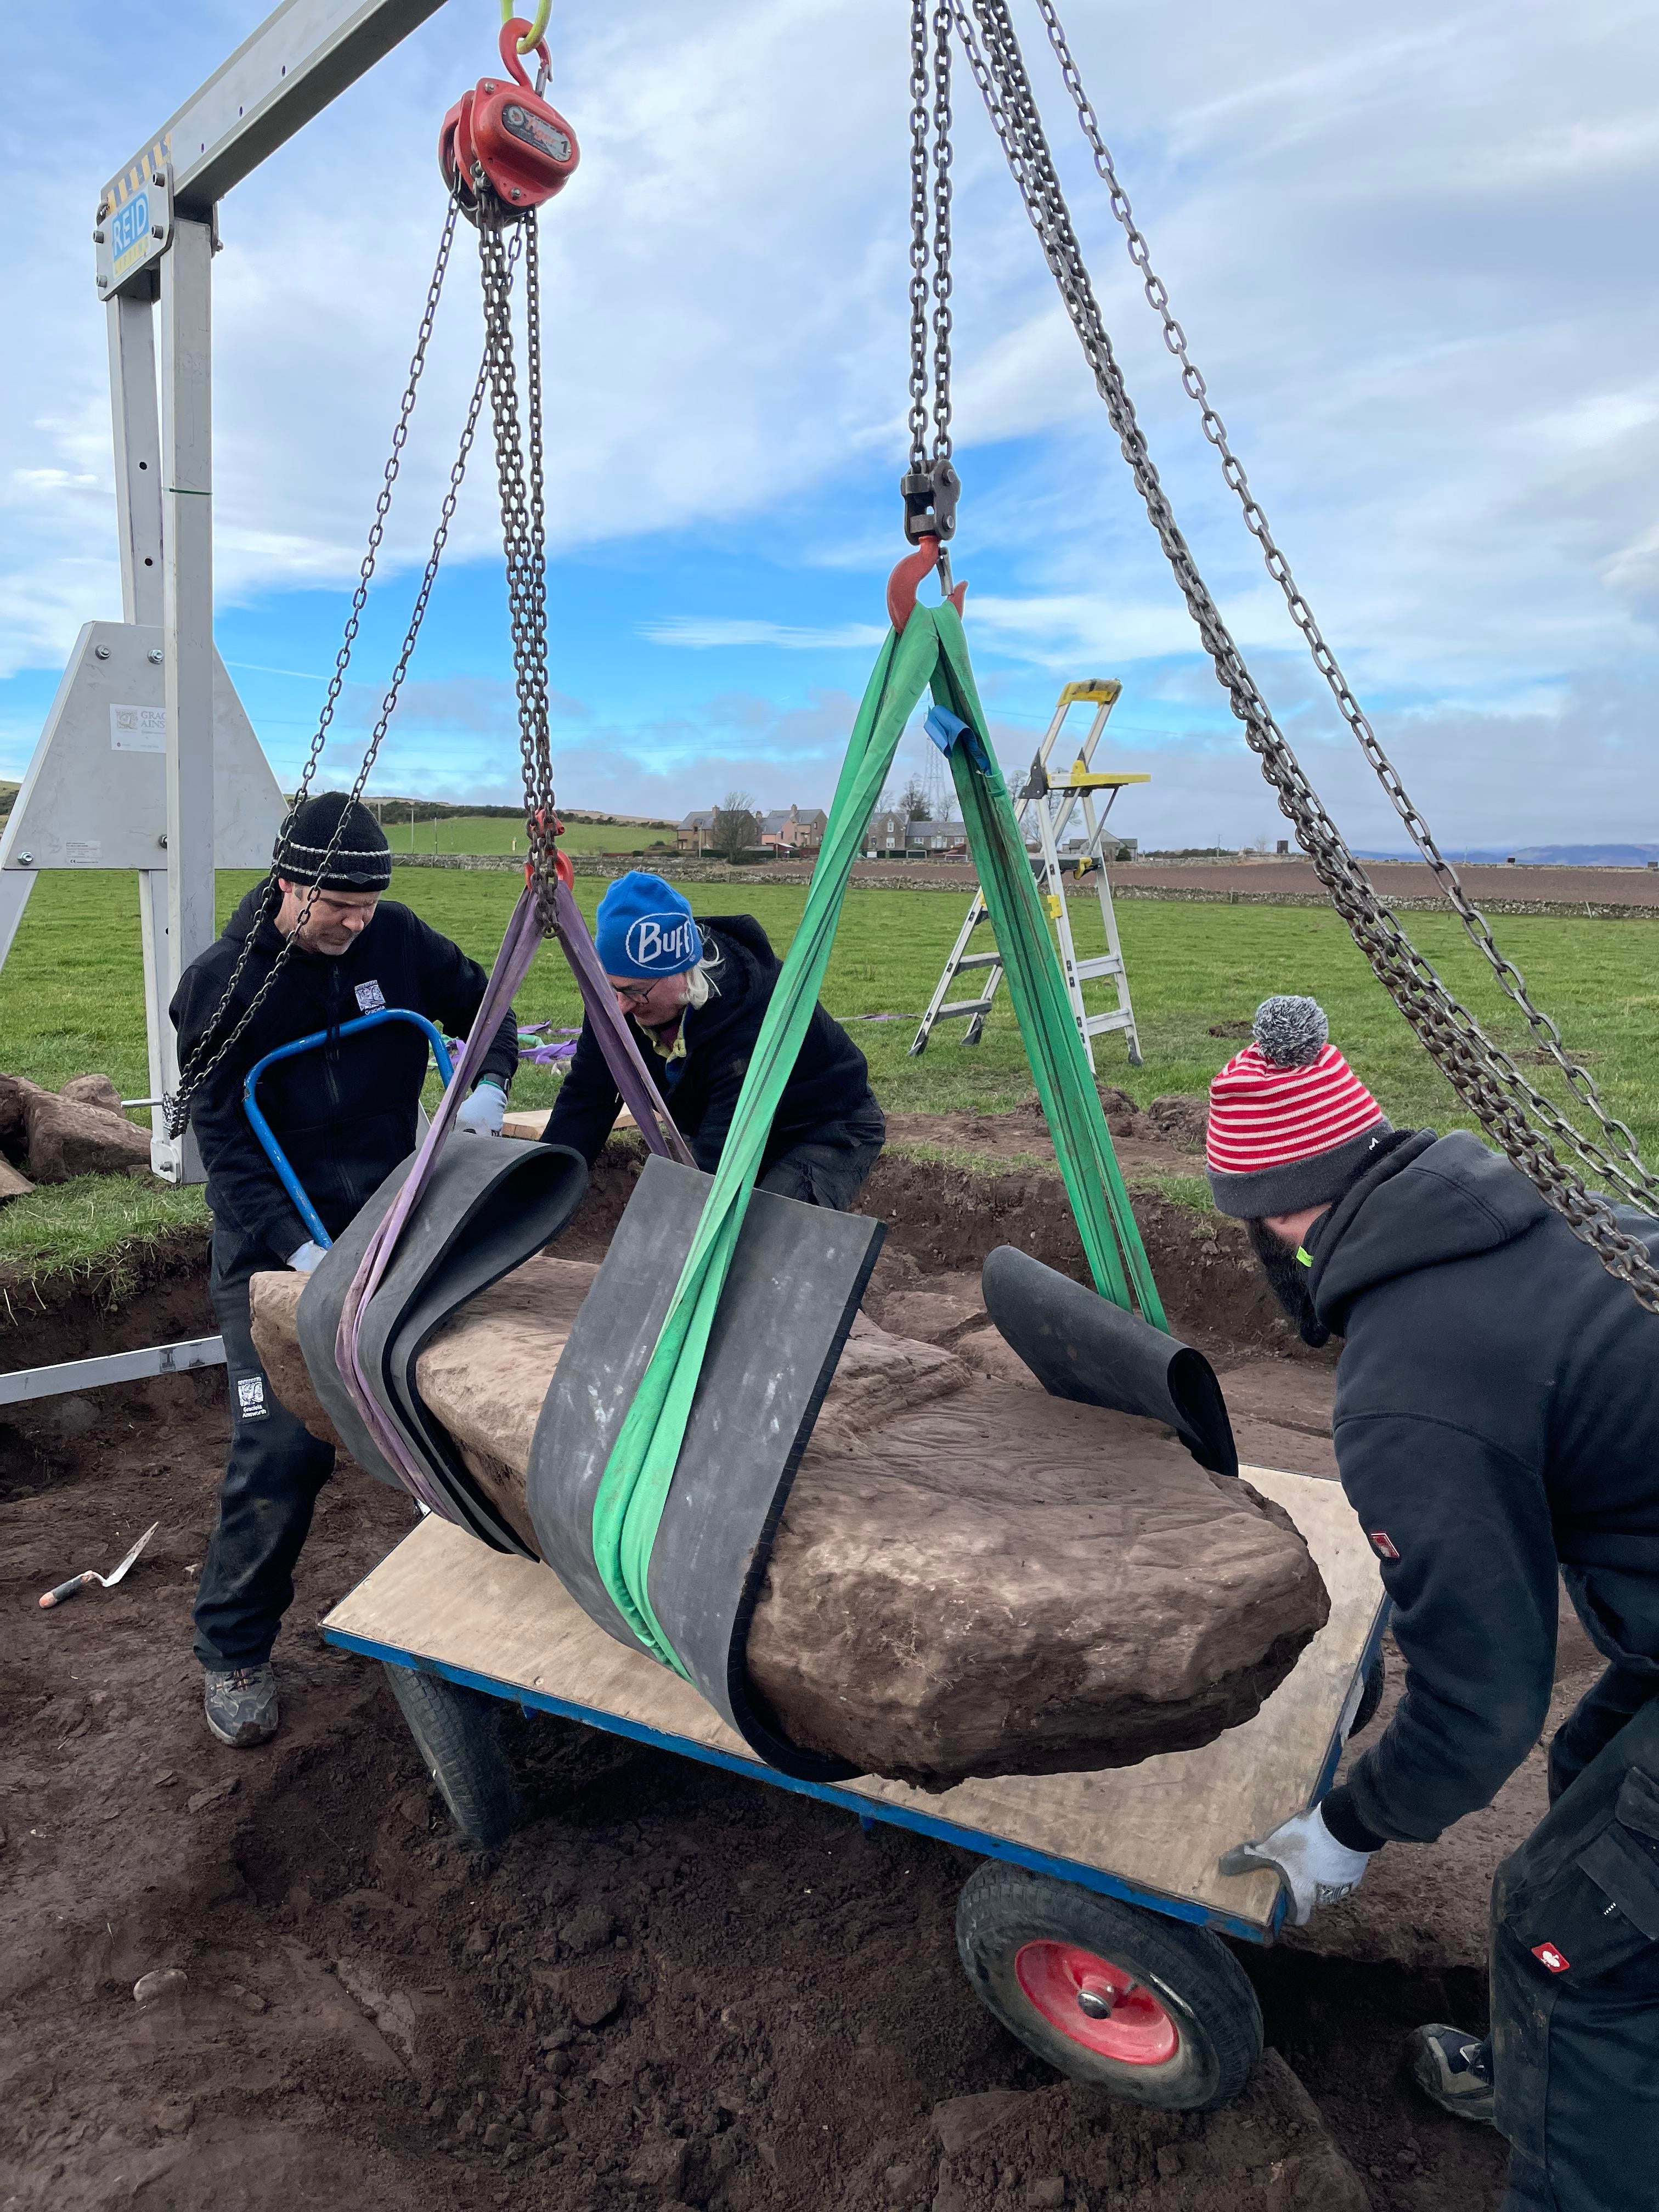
1630	1175
203	1061
524	532
1486	1078
930	486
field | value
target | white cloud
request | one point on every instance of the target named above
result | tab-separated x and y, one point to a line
1413	264
703	634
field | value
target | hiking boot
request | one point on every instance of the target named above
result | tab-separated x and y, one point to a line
240	1704
1454	2069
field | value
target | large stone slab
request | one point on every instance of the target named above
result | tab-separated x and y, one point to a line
65	1137
969	1577
1004	1582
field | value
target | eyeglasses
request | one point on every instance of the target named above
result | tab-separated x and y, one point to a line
634	995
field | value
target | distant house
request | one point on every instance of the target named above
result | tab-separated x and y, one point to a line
787	833
695	833
893	835
1114	849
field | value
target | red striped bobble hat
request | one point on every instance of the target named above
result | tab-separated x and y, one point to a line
1291	1123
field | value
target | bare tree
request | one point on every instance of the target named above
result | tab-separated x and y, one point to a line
735	830
913	800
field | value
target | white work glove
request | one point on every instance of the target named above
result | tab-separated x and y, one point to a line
1314	1869
306	1258
484	1111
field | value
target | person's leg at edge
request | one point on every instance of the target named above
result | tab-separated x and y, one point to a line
1575	1989
831	1167
274	1471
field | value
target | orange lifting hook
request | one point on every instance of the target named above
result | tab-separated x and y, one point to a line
907	575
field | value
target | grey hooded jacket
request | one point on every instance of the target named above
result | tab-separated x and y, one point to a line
1497	1419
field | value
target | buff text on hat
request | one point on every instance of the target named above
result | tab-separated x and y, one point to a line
1291	1123
645	929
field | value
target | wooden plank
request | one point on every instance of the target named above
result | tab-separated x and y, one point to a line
1160	1826
530	1120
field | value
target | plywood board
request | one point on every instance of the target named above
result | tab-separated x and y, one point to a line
1160	1826
530	1120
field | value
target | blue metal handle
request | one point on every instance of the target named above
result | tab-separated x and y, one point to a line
267	1136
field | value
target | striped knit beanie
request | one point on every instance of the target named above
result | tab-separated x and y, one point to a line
1291	1123
362	858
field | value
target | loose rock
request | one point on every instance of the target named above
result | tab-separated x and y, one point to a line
63	1140
92	1090
593	1994
160	1982
961	2121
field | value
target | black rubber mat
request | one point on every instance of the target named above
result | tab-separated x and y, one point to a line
797	1277
491	1205
1081	1346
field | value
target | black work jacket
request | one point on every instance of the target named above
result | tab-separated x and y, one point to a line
830	1085
1497	1419
345	1114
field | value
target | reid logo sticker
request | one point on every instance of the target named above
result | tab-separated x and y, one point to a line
1384	1544
1548	1955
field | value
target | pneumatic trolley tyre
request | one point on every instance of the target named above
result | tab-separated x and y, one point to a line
1153	2010
455	1732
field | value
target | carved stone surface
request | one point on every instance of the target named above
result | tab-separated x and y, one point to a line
969	1577
1005	1582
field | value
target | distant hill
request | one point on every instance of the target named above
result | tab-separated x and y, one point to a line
1545	856
453	810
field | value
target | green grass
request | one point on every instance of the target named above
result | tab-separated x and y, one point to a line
484	833
71	993
96	1225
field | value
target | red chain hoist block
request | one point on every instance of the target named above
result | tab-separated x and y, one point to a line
503	138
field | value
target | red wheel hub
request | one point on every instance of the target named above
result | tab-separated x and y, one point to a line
1091	2001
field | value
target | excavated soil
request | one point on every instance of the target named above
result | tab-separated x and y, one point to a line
670	1987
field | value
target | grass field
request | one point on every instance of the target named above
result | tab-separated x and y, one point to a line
485	833
72	1001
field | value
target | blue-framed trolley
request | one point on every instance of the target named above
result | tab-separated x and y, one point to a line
267	1136
1093	1928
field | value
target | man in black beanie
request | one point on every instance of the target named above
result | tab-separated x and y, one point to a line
345	1114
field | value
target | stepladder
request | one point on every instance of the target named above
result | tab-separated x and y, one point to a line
1053	798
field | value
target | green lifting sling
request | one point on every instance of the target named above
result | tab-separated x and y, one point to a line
930	652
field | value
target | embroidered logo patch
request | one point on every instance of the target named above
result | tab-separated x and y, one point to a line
1548	1955
1384	1544
250	1397
661	943
371	998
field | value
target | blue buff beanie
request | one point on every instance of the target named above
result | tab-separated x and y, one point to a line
645	929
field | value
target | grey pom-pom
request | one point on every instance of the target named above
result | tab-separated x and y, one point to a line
1291	1032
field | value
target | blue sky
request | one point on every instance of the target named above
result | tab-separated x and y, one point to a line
1413	254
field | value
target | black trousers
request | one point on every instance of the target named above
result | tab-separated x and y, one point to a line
275	1469
1575	1968
832	1166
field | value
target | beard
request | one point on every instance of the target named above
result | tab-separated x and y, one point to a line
1288	1279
